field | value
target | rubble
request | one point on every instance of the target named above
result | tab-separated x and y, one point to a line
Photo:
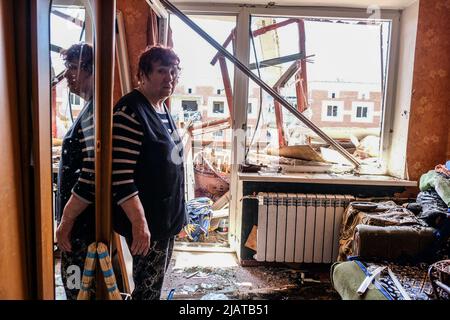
254	283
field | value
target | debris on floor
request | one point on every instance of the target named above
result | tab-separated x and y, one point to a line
196	278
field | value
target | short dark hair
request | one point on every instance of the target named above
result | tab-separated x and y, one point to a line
156	53
81	52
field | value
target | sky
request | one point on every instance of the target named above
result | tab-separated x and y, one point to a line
196	54
348	52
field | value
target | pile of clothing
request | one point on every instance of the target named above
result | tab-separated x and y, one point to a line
432	203
199	217
434	196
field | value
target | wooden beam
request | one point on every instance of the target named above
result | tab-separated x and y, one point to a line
104	19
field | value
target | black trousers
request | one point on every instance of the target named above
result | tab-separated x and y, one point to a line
149	270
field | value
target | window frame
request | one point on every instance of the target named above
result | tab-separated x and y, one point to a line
220	109
370	111
340	111
218	99
240	88
189	100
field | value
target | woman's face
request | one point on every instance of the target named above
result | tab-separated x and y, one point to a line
79	81
161	82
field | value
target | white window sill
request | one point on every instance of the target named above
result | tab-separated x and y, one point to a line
326	178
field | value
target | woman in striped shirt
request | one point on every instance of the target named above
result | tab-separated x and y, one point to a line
75	211
148	172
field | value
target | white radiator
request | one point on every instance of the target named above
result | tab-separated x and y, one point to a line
299	227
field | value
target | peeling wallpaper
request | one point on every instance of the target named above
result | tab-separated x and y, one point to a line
135	15
429	126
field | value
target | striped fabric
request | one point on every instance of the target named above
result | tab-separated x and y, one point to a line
84	189
108	273
88	273
127	144
165	120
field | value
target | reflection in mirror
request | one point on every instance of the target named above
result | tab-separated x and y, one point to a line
72	70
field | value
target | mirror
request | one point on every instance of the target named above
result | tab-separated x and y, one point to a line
73	152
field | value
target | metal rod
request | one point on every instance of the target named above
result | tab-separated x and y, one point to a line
226	84
67	17
261	83
276	61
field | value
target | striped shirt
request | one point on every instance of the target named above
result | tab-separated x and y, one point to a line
84	188
165	120
127	143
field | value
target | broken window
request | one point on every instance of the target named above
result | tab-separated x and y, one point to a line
189	105
308	60
210	77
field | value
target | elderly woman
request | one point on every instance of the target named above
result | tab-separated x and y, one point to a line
75	211
148	173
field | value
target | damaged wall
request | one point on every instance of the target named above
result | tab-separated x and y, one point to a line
429	130
135	15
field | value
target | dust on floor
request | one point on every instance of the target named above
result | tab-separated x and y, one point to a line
218	276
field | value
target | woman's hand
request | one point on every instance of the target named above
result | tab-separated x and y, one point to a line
141	238
63	234
141	234
74	207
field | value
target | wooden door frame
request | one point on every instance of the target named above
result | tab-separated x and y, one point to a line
104	39
41	147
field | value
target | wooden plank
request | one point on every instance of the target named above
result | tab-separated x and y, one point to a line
251	242
303	152
125	271
222	201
